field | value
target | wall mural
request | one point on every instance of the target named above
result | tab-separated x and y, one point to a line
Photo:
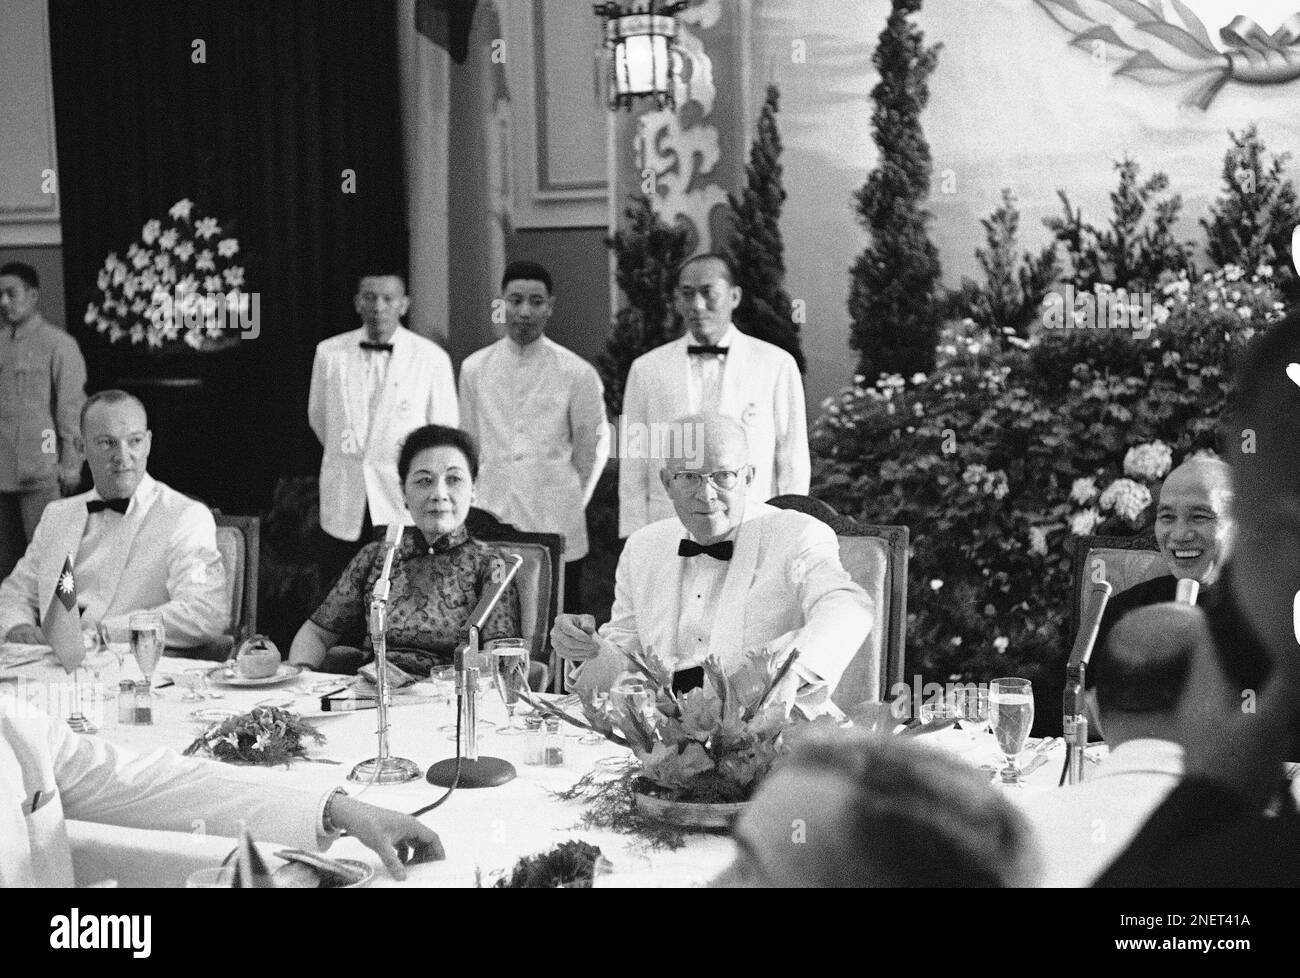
683	159
1167	45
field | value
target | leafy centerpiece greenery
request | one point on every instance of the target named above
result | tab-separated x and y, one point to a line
709	746
570	865
265	735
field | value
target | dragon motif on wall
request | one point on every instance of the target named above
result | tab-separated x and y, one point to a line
1163	42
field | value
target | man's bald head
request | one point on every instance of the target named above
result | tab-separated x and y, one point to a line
708	486
1195	529
1143	668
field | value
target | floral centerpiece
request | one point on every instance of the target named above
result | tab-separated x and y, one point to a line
570	865
178	282
265	735
711	746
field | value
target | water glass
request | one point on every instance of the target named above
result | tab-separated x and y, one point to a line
1011	712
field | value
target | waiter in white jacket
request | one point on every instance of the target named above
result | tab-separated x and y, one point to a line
712	367
370	388
48	773
724	576
537	413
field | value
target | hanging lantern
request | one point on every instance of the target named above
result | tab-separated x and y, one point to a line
640	40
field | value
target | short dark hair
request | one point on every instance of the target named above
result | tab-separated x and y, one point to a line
527	271
723	260
110	396
919	817
436	436
24	271
1146	676
382	273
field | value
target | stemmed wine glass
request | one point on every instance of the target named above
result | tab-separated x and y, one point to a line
148	638
510	661
1011	712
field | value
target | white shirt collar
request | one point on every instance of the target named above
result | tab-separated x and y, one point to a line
143	489
529	352
725	340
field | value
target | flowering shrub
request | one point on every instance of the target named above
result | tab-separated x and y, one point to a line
1006	451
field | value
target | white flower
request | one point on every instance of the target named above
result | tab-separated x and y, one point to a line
1160	314
1243	312
1083	523
212	284
936	584
168	239
1127	498
1083	490
204	262
227	247
92	313
918	378
996	483
234	276
1149	461
140	259
956	640
149	233
184	250
180	211
207	227
1000	643
1264	271
1038	540
1232	273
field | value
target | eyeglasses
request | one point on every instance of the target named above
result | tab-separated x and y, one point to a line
724	479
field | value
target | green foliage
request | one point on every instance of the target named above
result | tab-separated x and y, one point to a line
570	865
1137	245
895	312
1014	286
648	252
984	453
756	249
1251	222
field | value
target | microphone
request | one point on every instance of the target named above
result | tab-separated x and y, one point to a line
1074	722
383	768
472	771
1188	590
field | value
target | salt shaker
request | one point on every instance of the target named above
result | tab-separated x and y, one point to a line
534	740
553	744
126	701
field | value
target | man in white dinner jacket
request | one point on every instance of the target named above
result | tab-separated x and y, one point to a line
724	576
370	388
48	773
713	367
136	544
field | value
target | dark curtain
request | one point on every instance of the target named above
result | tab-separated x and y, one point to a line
290	93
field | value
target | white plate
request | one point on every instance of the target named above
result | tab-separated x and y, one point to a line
286	672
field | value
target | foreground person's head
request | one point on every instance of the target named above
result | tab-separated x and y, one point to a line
1266	417
1143	669
852	809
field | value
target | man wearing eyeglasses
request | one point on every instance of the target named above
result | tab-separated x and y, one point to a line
725	576
713	368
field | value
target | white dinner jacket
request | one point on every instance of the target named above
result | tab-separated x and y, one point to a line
785	588
70	775
168	559
761	388
359	464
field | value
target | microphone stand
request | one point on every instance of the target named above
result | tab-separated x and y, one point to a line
1074	724
467	769
383	769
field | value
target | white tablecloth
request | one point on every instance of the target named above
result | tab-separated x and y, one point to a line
485	831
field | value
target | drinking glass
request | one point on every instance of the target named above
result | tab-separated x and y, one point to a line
510	672
193	681
937	711
973	709
147	641
77	720
1011	712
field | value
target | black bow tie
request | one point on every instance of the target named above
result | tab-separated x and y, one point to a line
99	505
377	347
707	351
721	550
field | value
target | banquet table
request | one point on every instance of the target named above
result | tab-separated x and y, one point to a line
484	831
